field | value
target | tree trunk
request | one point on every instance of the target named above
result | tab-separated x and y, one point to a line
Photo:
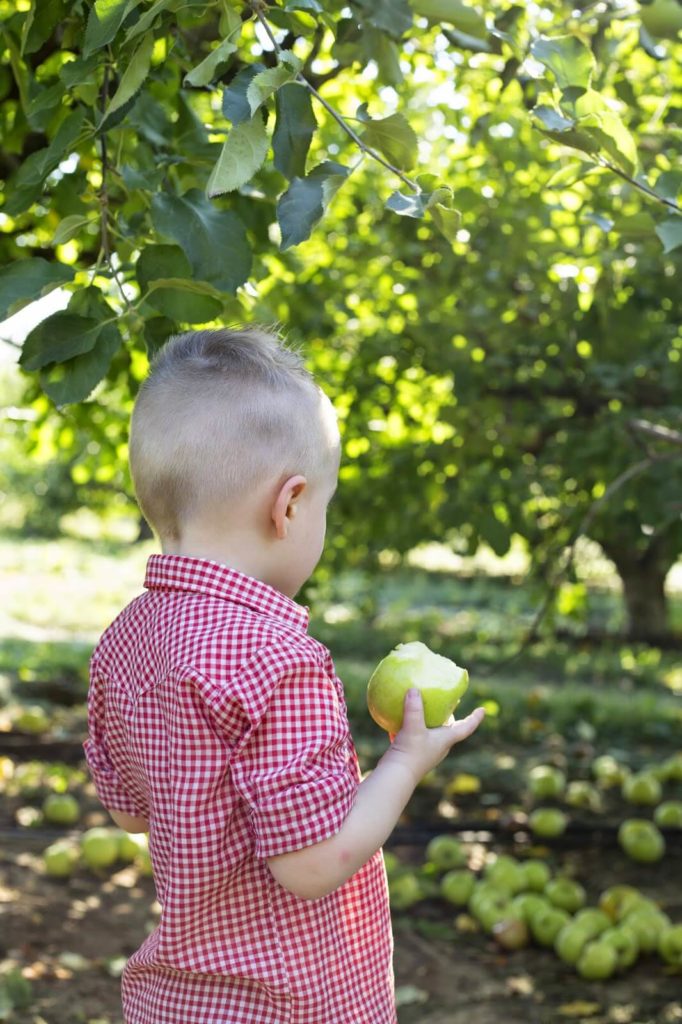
643	577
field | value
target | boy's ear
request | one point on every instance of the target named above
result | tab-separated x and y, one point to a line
284	507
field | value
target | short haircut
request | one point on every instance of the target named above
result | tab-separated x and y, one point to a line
220	413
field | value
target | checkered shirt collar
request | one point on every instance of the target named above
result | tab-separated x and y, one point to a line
204	576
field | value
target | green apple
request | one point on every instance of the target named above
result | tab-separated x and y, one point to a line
670	944
61	809
570	942
446	853
647	926
608	771
624	941
594	920
673	767
536	874
528	904
566	893
33	719
617	900
99	847
662	18
505	873
547	923
547	822
511	933
584	795
643	788
545	781
641	840
130	844
442	685
404	890
492	910
669	814
60	858
597	961
457	886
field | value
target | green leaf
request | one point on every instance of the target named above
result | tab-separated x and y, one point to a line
39	24
29	181
74	379
391	16
25	280
264	84
236	107
69	228
393	137
670	233
595	116
157	330
447	221
132	80
158	261
294	129
204	73
57	338
214	240
106	17
306	199
185	300
464	18
243	152
79	72
569	60
149	17
552	119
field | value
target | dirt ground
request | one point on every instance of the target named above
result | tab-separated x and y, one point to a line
70	939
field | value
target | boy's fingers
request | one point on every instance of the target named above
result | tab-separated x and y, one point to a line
464	727
413	709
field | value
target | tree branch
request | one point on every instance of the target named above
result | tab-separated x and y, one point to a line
657	431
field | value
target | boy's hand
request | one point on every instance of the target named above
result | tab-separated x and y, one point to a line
420	748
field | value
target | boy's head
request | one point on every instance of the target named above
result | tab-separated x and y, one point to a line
230	440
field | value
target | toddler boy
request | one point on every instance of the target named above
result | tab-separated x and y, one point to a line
218	725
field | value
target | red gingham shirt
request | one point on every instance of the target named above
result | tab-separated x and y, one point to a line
213	714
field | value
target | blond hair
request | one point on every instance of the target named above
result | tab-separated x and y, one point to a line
220	413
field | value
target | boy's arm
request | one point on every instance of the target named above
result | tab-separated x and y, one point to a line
128	823
318	870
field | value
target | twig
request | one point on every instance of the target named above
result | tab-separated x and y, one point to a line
103	197
670	203
657	430
257	8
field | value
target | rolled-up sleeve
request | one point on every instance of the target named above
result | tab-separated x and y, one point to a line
111	788
297	769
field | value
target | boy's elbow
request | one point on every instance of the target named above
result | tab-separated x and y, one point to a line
298	879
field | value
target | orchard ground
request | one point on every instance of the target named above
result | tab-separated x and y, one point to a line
561	702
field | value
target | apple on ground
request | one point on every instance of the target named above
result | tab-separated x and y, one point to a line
647	926
673	767
584	795
547	822
669	814
457	886
404	890
511	933
643	789
594	920
597	961
505	873
608	771
536	873
566	893
624	941
441	682
570	942
641	840
60	858
130	844
670	944
547	923
99	847
546	781
446	852
489	905
61	809
617	900
529	904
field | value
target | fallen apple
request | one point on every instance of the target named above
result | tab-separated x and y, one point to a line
536	873
672	767
617	900
641	840
546	781
547	923
130	844
446	852
61	809
457	886
547	822
608	771
648	925
669	814
404	890
60	858
441	682
595	921
670	944
584	795
511	933
643	788
570	942
597	961
505	873
529	904
99	847
566	894
624	941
